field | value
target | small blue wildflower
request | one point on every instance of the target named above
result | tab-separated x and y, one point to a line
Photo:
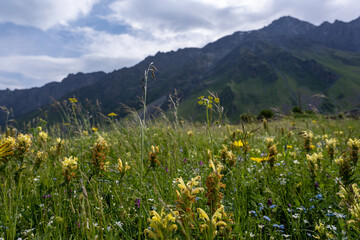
312	207
319	196
267	218
273	206
240	159
277	164
253	212
261	207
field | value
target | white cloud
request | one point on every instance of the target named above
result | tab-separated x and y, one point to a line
36	71
151	26
43	14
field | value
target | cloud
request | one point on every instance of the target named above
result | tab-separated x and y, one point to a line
92	35
43	14
35	71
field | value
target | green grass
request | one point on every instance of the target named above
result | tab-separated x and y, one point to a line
285	201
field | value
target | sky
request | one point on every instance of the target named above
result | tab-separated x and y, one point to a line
44	40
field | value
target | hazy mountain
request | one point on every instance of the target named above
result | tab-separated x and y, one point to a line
281	65
26	100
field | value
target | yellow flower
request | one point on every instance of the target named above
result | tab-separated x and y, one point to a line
112	114
43	136
120	167
238	143
161	225
73	100
259	160
69	163
217	100
95	129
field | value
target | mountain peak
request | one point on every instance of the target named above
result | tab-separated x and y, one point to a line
288	26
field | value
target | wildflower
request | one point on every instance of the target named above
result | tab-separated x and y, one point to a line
137	202
322	232
43	136
186	197
259	160
99	151
153	156
217	100
214	185
161	225
190	133
40	158
314	162
217	225
307	136
23	142
331	146
73	100
354	146
122	169
267	218
94	129
112	114
227	157
69	165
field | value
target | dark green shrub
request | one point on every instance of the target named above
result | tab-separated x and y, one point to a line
266	113
297	109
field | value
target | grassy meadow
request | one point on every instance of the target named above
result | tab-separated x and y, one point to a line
293	178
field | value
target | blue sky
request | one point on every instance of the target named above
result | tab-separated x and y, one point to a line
44	40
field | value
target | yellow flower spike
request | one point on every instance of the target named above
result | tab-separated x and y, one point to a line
181	184
220	224
217	100
203	215
212	165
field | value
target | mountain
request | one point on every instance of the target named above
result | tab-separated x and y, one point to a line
27	100
285	64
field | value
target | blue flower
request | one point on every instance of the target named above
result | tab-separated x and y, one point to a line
261	207
319	196
273	206
253	212
329	214
267	218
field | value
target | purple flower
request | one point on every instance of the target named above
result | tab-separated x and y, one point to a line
270	202
316	184
201	163
185	160
166	169
137	202
289	205
46	196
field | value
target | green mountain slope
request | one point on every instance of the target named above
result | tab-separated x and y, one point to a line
288	63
